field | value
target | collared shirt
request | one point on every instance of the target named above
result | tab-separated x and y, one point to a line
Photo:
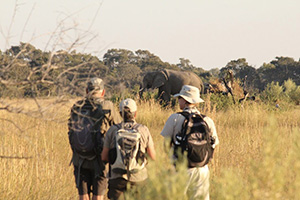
174	124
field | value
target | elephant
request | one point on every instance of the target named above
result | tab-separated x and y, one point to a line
169	82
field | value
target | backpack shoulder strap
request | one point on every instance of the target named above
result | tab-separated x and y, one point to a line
184	124
136	126
185	114
98	114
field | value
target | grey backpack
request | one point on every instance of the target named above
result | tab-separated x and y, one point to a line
128	157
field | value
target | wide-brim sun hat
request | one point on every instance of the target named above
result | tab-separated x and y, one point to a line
190	93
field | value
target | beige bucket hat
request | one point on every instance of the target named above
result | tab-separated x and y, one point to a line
190	93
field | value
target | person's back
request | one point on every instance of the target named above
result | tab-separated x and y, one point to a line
140	175
99	109
90	119
118	176
198	173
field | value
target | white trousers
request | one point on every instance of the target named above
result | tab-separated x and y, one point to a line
198	183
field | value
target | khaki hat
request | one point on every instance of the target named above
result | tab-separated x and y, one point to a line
128	103
190	93
95	84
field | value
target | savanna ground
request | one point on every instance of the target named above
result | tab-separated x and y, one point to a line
258	156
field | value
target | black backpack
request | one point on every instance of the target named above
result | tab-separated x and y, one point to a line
86	139
194	139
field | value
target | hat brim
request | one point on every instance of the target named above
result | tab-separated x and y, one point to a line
190	100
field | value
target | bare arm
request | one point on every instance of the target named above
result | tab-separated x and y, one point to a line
151	152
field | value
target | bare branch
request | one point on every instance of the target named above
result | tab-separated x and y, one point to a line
11	24
15	157
27	20
27	71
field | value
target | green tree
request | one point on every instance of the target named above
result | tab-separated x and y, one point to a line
248	75
185	64
279	70
148	61
114	58
234	65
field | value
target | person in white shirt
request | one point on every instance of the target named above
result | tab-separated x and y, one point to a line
188	99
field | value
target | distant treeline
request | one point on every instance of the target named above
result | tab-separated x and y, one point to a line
29	72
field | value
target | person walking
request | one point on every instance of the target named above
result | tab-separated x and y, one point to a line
198	173
89	120
125	147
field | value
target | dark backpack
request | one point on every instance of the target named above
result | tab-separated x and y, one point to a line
86	139
194	139
127	157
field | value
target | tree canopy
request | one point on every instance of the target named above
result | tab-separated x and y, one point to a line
26	71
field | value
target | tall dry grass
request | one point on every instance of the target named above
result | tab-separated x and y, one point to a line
258	156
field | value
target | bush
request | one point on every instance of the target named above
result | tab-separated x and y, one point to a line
295	96
220	101
291	91
272	93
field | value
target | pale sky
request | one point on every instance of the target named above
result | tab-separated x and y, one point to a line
209	33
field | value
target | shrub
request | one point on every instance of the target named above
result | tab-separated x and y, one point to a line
221	101
295	95
292	91
272	93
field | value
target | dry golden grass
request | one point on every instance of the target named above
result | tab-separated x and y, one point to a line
258	156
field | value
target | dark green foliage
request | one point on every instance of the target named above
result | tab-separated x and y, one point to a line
29	72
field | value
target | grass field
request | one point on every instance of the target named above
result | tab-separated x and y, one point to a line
258	156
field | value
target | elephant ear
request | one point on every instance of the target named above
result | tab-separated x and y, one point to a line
159	80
